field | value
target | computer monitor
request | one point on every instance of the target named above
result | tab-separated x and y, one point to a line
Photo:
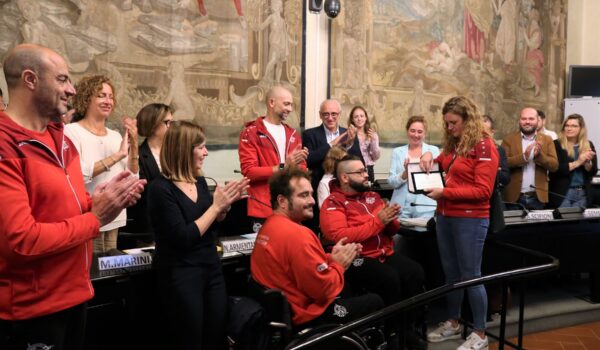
583	81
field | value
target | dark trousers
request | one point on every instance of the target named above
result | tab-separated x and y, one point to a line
195	302
347	309
396	278
63	330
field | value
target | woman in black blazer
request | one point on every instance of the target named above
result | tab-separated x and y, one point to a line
577	164
153	121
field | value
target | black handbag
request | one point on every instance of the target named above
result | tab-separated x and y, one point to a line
497	223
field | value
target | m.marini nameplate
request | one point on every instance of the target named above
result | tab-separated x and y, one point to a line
124	261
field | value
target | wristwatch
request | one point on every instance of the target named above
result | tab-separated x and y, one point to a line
281	166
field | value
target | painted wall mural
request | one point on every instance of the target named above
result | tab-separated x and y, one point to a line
407	57
212	60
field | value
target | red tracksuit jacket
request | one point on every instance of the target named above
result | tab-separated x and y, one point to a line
45	224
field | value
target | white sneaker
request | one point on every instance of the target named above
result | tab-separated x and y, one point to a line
474	342
444	332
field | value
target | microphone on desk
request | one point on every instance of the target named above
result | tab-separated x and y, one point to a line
560	211
413	204
259	201
525	211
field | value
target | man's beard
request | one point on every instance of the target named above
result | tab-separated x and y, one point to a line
359	186
301	213
528	131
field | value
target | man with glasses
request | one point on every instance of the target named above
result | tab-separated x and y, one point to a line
355	212
320	139
267	145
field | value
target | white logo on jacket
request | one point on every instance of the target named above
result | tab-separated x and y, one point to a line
322	267
370	200
339	310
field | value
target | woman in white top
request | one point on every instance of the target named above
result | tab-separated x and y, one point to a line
103	152
335	153
416	129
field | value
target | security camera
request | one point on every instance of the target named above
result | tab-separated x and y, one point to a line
315	6
332	8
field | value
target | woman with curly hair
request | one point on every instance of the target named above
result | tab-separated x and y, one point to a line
104	152
470	161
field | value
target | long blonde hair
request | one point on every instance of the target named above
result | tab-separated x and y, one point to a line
473	130
582	139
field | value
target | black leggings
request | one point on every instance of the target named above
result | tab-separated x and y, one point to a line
63	330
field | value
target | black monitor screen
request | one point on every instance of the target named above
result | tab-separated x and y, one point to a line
584	81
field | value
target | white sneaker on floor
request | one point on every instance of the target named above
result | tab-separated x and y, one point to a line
444	332
474	342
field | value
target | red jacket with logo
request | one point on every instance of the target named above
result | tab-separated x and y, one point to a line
469	182
45	224
355	216
289	257
258	154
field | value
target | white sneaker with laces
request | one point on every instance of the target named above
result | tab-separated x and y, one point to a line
443	332
474	342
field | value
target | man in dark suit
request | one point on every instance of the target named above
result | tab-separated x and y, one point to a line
320	139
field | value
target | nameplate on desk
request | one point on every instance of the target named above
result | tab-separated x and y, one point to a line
236	245
540	215
591	213
124	261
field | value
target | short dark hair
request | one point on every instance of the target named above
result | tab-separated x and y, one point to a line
346	158
541	114
279	184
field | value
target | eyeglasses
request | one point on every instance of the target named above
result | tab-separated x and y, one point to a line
327	114
168	122
360	171
571	126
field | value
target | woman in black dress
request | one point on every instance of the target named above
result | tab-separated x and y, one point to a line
183	215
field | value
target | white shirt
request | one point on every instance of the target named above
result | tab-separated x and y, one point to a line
278	133
331	135
91	149
529	168
550	133
323	189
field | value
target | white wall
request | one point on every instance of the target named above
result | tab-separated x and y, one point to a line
582	32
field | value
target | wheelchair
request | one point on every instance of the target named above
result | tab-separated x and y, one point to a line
283	335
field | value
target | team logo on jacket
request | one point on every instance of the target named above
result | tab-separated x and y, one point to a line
322	267
292	139
339	311
370	200
358	262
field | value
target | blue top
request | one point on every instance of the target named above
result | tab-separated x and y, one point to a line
401	195
577	177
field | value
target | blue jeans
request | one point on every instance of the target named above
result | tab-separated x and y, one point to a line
460	242
575	199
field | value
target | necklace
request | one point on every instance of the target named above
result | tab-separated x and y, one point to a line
186	187
102	132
